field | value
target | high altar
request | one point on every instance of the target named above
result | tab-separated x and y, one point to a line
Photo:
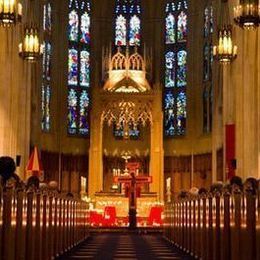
127	103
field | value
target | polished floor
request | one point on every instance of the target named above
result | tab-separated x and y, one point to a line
125	246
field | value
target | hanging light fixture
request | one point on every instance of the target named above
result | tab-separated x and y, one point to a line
10	12
225	51
30	48
247	14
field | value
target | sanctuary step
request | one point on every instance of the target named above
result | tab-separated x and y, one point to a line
108	246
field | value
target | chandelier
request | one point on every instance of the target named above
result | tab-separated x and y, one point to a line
30	48
247	14
225	51
10	12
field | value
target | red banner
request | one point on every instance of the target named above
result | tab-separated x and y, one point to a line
230	151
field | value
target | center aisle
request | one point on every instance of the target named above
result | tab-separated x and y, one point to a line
125	246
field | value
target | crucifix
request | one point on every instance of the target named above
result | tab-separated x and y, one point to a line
132	183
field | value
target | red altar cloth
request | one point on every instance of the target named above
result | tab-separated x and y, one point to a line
155	217
96	219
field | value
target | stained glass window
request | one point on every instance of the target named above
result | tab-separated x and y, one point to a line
84	110
72	111
182	27
134	31
85	27
79	67
175	101
127	23
73	25
47	17
84	68
73	67
208	20
120	35
133	132
46	68
207	68
170	29
169	113
170	69
182	68
206	63
181	113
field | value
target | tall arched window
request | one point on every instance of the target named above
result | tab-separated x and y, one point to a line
46	68
78	67
128	23
207	68
176	30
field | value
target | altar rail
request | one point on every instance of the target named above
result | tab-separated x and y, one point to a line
39	224
216	226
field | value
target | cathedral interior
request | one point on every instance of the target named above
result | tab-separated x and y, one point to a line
130	115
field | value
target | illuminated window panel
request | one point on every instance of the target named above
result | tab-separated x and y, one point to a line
170	29
120	37
73	113
182	68
83	112
181	113
133	132
46	68
207	68
85	28
79	39
208	21
73	26
73	67
170	68
135	31
127	23
169	114
47	19
182	27
46	61
176	58
84	69
206	61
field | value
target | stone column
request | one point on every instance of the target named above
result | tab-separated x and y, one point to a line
95	181
157	153
246	80
15	99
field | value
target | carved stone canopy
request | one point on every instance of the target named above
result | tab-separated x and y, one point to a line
127	73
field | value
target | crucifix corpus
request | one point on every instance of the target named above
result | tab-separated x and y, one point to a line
132	183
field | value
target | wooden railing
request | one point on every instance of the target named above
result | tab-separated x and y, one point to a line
39	224
216	226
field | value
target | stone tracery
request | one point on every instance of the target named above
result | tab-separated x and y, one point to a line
127	112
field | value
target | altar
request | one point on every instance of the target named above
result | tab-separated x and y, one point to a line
129	204
148	209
